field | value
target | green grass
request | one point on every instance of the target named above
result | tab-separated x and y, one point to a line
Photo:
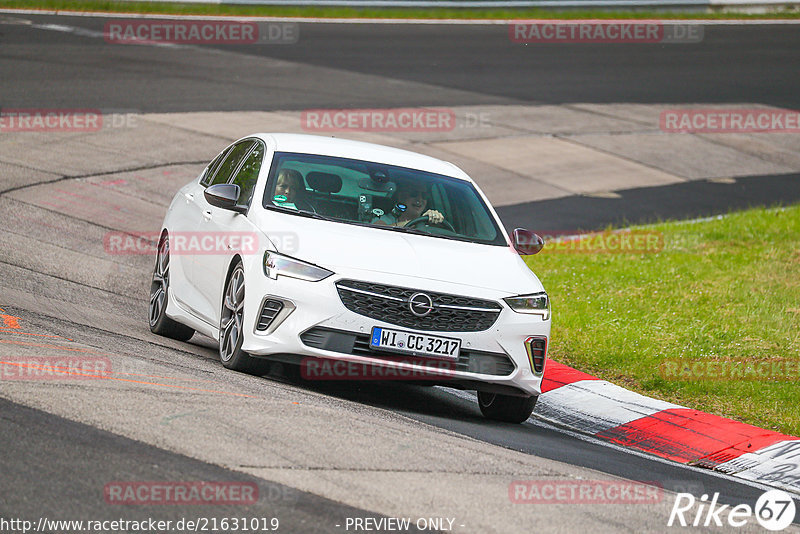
342	12
720	290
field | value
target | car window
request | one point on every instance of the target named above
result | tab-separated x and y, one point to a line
248	174
212	167
383	196
232	161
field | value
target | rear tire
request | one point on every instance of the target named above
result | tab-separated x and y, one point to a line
159	322
505	407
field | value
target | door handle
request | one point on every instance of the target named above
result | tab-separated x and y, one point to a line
207	215
189	196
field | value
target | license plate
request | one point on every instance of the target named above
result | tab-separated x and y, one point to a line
416	344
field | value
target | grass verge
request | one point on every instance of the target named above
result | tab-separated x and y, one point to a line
345	12
721	291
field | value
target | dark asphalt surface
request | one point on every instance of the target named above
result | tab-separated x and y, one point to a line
58	469
461	65
643	205
437	407
56	466
731	64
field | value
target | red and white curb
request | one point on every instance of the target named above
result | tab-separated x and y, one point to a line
609	412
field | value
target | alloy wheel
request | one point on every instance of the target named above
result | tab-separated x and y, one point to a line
158	288
232	316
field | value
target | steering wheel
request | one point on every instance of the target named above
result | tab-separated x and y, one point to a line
419	220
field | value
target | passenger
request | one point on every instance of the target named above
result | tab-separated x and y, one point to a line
410	201
290	191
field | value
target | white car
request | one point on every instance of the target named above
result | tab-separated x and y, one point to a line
356	261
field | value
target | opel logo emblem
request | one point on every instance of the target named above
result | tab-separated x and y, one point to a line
420	304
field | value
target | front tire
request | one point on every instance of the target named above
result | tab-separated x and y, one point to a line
159	322
231	326
505	407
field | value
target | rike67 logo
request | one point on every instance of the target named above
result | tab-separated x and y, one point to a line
774	510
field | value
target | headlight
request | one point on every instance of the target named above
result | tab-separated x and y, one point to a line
538	304
276	265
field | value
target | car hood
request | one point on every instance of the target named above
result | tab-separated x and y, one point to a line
351	247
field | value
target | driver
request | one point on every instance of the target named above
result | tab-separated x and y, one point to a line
410	201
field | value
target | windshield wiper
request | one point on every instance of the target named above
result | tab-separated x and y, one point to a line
416	231
312	214
303	213
404	229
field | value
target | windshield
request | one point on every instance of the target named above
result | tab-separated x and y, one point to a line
383	196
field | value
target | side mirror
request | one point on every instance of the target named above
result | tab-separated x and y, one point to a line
224	196
527	242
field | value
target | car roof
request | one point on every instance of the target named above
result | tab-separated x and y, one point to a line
346	148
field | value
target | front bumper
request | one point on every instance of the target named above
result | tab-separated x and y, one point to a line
491	360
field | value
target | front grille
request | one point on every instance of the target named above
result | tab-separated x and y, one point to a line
390	304
269	311
470	361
